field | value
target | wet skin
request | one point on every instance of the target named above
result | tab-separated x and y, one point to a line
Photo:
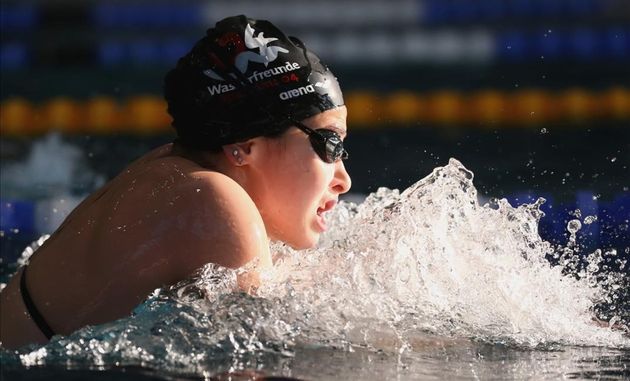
166	215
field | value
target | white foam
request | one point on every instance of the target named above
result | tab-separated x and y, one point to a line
434	259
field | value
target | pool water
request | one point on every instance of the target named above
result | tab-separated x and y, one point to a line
428	283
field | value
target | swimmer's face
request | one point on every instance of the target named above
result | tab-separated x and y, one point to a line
295	187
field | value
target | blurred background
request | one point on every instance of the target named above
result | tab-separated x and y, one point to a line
533	96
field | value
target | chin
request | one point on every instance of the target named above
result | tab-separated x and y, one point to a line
307	242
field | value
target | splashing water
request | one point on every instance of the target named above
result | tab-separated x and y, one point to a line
390	273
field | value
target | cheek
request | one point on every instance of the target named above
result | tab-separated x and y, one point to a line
297	188
300	177
311	180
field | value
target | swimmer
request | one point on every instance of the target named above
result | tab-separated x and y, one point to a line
260	125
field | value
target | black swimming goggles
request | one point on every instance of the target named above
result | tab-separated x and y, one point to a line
326	143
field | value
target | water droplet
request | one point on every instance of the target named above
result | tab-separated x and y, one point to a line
573	226
198	190
611	252
612	160
544	131
589	220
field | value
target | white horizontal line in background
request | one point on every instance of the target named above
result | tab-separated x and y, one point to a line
443	46
323	13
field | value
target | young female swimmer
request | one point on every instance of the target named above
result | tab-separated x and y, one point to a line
260	124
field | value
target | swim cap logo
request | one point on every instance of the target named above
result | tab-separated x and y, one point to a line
265	55
297	92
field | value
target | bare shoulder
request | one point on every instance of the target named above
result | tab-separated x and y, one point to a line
156	153
216	221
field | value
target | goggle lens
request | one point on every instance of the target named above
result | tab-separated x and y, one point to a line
326	143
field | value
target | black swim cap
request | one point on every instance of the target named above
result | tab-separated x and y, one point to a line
244	79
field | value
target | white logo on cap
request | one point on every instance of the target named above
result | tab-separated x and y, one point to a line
297	92
265	53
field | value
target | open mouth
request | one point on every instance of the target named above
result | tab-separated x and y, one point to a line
326	207
321	221
321	212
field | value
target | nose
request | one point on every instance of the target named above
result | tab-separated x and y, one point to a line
341	182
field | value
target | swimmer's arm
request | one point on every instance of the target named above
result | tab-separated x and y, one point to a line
249	281
217	222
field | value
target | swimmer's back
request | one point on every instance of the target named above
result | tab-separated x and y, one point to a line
154	224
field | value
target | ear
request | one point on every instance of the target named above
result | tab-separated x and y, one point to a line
238	154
